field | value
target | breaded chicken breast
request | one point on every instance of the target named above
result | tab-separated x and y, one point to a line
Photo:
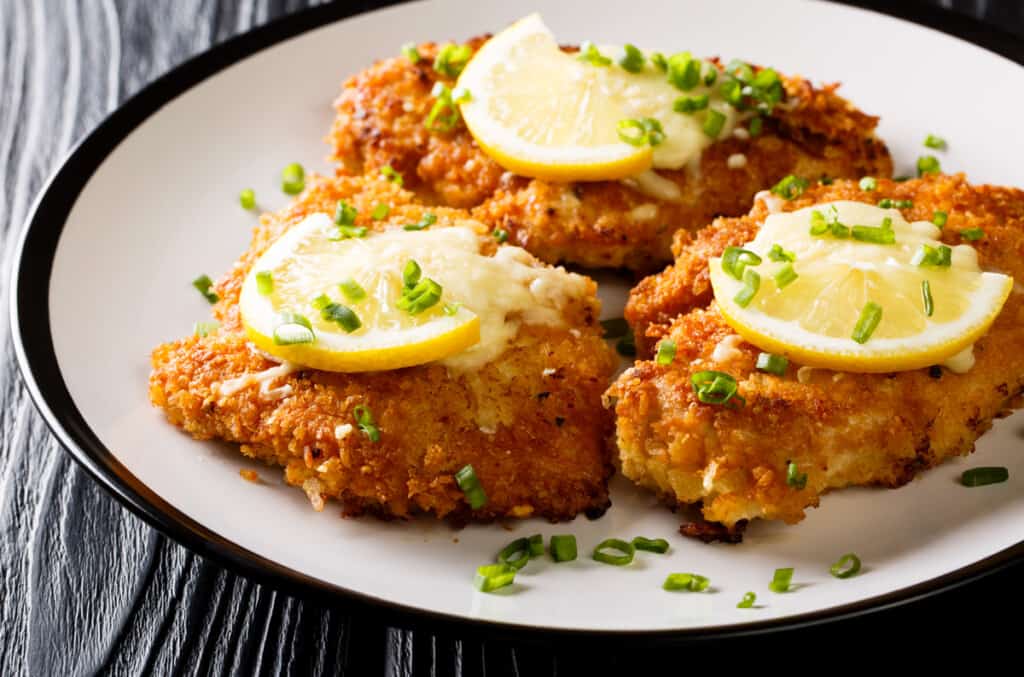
840	428
380	123
529	422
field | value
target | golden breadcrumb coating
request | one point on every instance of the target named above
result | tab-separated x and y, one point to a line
840	428
380	122
530	423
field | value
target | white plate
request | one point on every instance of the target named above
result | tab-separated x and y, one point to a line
158	205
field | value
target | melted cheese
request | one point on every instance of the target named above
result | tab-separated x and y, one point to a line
262	378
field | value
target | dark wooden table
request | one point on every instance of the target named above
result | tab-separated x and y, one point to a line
87	587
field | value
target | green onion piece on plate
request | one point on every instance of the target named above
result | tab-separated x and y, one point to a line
781	580
846	566
516	554
658	545
563	547
626	549
979	477
490	577
747	602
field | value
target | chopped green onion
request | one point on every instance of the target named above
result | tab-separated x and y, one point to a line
348	232
469	483
691	104
795	479
418	294
781	580
732	91
411	273
846	566
428	219
292	329
903	204
365	423
341	315
741	70
451	59
388	172
293	179
666	352
713	123
885	203
940	257
410	52
381	211
979	477
615	327
755	126
592	55
659	61
736	259
772	364
622	546
345	214
202	329
874	235
751	283
500	235
777	253
688	582
710	74
247	198
785	276
928	164
926	295
632	60
516	554
627	345
642	132
826	180
490	577
747	602
321	302
939	218
972	234
563	548
868	321
684	71
658	545
265	282
715	387
868	184
819	226
451	309
536	545
203	284
790	187
935	142
444	114
351	290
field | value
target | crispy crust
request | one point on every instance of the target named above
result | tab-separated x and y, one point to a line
380	122
842	429
537	438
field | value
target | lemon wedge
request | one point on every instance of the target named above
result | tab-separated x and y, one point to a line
336	305
543	113
869	292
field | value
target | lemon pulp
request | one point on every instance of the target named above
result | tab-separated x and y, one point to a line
813	318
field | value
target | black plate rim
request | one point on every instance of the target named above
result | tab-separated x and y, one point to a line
32	339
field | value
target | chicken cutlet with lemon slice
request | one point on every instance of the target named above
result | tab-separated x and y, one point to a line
401	360
593	157
822	342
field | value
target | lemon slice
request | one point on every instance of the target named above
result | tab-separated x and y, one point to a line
848	284
304	271
543	113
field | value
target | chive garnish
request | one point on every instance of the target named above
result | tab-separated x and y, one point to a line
341	315
939	218
715	387
684	71
203	283
846	566
516	554
500	235
927	255
444	114
736	259
410	52
794	478
928	164
493	576
381	211
790	187
972	234
640	132
451	59
536	545
364	421
772	364
666	352
345	214
747	602
602	554
926	296
868	184
292	329
777	253
691	104
688	582
658	545
563	548
418	293
428	219
247	198
785	276
469	483
714	121
935	142
351	290
781	580
293	179
389	173
632	60
873	235
979	477
592	55
265	282
868	321
751	283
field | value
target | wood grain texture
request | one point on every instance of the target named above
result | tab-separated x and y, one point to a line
87	588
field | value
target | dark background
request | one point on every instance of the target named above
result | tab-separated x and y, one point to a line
86	587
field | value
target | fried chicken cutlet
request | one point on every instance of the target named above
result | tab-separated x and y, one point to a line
843	429
529	422
380	123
